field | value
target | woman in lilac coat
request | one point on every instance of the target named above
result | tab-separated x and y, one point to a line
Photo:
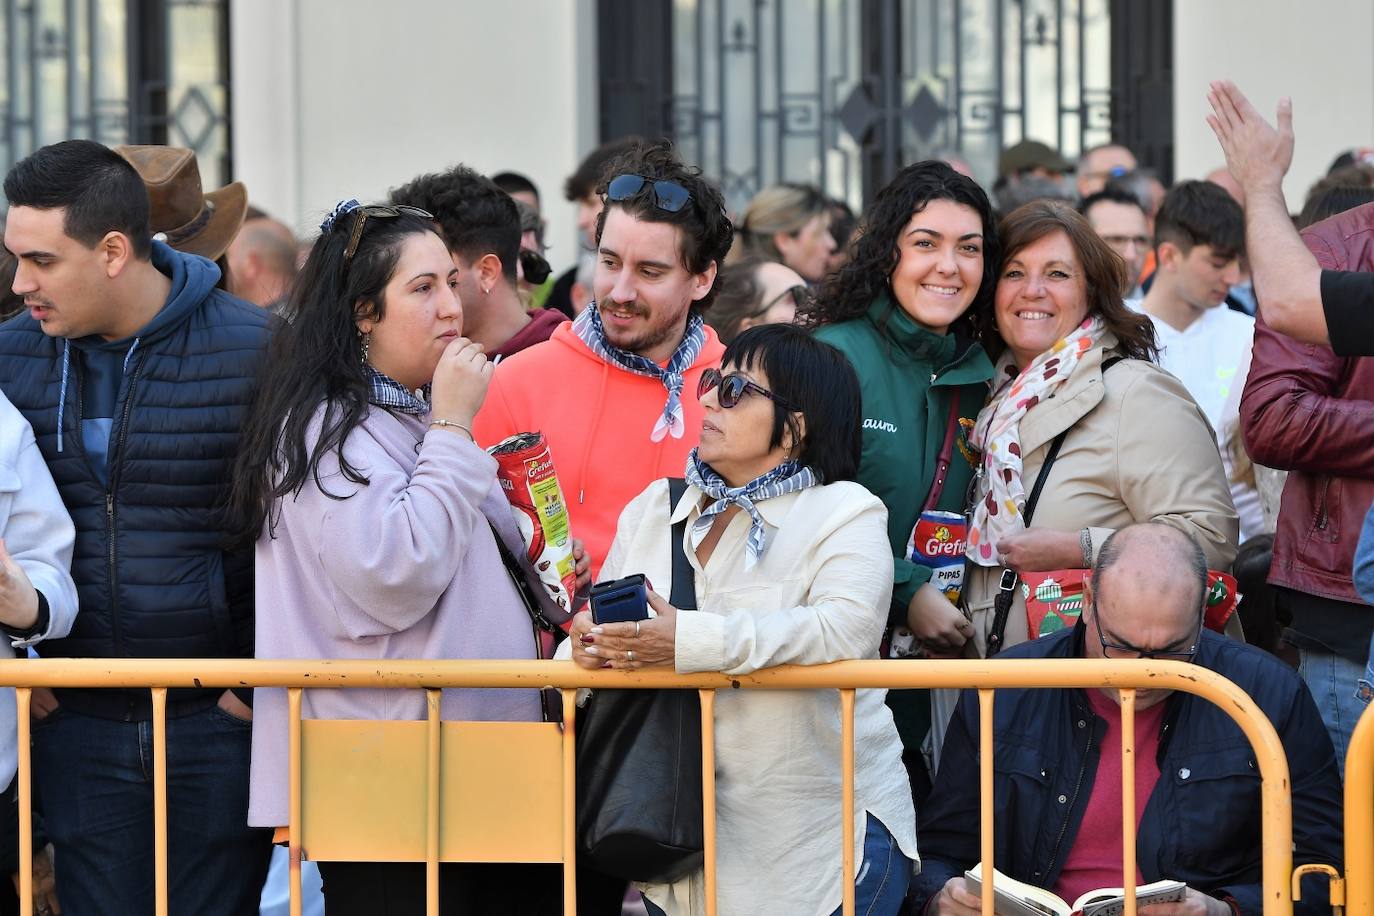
376	519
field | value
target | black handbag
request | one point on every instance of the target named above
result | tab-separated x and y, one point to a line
639	803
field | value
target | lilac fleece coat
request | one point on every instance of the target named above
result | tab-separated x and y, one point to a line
405	567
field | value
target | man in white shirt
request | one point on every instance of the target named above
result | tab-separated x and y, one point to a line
1199	241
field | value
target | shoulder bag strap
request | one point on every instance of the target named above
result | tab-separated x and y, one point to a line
937	485
684	591
1006	590
522	584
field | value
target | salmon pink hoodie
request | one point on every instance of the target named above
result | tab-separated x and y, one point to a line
597	419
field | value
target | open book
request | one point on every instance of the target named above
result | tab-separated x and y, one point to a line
1017	899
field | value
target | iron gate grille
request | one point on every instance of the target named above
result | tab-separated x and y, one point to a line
117	71
843	93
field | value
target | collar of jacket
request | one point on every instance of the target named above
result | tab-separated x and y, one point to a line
956	359
1081	393
1075	647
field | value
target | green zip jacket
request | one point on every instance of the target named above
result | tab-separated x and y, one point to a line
909	377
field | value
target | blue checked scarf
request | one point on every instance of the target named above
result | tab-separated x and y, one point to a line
385	391
788	477
589	328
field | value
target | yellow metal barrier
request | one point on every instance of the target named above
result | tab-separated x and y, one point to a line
1359	818
846	677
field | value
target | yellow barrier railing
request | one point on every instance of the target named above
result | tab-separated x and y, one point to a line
1359	819
846	677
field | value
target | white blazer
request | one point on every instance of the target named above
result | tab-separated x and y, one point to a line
39	536
819	594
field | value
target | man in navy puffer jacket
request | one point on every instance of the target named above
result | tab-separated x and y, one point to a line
1057	782
136	373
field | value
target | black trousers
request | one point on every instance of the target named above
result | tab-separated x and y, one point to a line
398	889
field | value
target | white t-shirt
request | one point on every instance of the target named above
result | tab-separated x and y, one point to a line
1206	355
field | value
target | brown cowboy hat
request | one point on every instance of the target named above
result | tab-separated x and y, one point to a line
182	214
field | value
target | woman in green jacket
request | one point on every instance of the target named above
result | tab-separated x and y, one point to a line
908	309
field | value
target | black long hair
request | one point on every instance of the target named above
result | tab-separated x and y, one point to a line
874	253
314	359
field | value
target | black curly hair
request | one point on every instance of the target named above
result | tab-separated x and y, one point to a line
705	229
477	218
874	252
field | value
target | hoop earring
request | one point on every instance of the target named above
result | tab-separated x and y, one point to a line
366	345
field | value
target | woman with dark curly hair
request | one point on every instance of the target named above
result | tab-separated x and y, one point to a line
906	310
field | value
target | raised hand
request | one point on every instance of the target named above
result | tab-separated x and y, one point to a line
1257	154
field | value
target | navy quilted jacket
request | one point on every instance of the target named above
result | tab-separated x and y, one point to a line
1202	822
152	574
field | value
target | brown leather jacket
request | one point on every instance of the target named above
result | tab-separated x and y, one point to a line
1311	412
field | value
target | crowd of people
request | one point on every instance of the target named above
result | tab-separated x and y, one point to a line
1061	420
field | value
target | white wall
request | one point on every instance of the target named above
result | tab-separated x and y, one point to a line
1318	53
348	98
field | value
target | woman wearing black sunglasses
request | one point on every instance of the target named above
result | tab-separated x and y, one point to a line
791	567
752	292
907	310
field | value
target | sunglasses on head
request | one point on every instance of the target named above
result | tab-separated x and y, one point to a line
378	212
732	387
668	195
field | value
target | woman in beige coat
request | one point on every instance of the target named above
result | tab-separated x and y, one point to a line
1076	363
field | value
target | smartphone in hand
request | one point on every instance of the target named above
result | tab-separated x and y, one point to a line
620	600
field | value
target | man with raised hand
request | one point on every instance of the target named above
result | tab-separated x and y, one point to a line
1296	296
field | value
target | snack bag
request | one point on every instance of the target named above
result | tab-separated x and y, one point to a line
525	470
937	541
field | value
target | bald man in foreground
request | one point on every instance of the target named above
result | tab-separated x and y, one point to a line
1057	790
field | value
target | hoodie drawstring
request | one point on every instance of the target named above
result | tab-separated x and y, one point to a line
129	355
62	392
591	438
66	374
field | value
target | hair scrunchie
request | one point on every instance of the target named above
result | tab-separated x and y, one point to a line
341	209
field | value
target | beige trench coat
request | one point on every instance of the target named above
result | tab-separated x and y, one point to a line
1138	449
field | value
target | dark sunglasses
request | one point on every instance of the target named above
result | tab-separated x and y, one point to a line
802	296
378	212
668	195
732	388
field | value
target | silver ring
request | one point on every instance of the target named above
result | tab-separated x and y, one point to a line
636	629
630	655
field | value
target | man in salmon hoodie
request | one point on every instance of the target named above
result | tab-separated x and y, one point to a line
614	392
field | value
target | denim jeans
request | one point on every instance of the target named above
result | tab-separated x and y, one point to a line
1366	691
95	783
880	886
1334	682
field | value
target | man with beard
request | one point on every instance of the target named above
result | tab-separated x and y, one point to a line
615	391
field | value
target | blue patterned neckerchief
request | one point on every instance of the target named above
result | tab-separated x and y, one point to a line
788	477
385	391
588	327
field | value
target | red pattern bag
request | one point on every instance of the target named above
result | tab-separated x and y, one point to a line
1054	600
